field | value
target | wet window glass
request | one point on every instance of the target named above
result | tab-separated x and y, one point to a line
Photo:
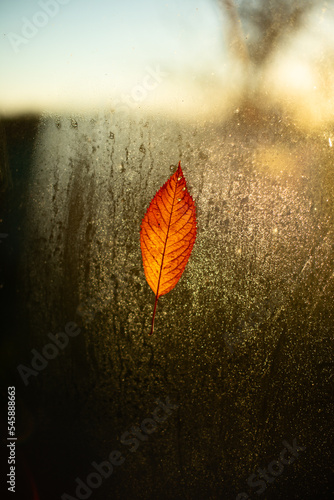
167	160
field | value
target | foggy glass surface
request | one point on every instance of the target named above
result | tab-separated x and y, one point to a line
243	343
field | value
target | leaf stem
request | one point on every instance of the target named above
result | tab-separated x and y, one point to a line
154	310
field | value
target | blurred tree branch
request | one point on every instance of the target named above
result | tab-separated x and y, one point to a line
258	26
235	35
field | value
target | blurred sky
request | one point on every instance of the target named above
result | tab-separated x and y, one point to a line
92	50
96	53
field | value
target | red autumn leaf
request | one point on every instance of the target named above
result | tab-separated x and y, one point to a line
167	235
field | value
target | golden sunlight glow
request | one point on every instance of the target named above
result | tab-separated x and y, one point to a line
276	160
190	72
300	79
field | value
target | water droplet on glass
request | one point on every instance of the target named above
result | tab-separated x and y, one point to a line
172	168
184	188
179	199
179	178
111	135
74	123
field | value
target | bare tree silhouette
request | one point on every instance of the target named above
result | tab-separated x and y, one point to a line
258	27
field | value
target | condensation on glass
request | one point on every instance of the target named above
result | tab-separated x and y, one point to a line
243	344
